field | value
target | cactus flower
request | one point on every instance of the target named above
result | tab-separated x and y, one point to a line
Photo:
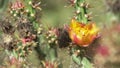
82	34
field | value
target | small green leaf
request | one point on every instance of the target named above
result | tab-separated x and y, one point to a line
76	59
86	64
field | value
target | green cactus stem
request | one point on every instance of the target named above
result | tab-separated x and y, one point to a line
81	11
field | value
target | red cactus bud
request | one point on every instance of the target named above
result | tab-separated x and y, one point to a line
17	5
24	40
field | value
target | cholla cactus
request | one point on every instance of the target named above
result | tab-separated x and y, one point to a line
82	33
20	32
23	33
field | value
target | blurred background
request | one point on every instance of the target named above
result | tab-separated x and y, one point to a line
105	13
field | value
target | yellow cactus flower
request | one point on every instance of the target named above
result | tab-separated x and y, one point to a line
82	34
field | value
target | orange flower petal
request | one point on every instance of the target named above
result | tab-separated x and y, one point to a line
82	34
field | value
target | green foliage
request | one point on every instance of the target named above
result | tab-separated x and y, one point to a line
86	63
76	59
